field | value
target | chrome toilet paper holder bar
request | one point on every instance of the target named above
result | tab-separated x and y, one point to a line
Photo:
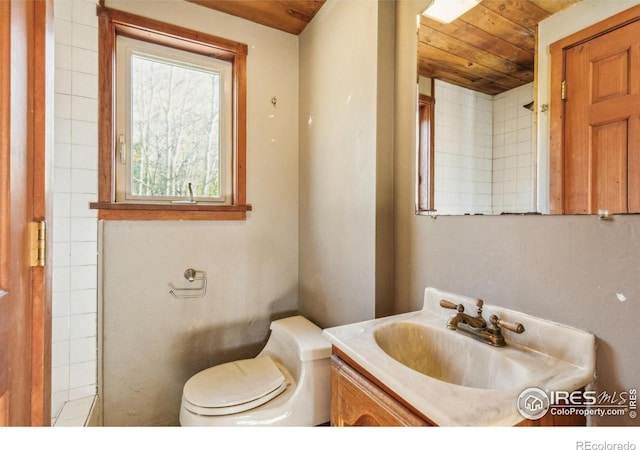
191	275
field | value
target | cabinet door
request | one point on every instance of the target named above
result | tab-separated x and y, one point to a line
356	401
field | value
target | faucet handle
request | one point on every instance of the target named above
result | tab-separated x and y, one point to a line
450	305
515	327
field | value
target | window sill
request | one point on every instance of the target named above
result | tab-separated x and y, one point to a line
145	211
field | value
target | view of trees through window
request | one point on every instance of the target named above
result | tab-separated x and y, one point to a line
175	129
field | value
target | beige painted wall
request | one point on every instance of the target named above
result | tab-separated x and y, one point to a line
152	343
346	104
570	269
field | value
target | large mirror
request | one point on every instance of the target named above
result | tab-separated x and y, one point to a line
477	72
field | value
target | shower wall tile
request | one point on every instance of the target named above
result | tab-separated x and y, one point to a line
62	82
84	13
84	84
62	155
83	277
84	157
62	129
83	229
83	254
82	374
83	36
62	10
84	61
60	354
60	328
79	206
485	159
84	181
463	150
63	106
84	109
63	53
83	301
62	232
60	378
514	155
74	304
61	254
61	304
82	350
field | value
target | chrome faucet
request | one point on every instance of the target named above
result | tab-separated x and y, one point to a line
477	327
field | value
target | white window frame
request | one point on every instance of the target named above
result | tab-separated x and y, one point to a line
113	23
127	47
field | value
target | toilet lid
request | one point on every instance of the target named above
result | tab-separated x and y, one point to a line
248	382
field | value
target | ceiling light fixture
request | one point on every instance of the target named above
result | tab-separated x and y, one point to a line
448	10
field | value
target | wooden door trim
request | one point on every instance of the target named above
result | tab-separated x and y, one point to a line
43	102
5	185
5	143
33	111
556	104
426	156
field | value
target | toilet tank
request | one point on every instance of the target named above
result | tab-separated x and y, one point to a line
295	341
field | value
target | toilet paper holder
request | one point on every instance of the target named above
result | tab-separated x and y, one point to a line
191	275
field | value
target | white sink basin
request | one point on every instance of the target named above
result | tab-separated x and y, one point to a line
454	379
451	357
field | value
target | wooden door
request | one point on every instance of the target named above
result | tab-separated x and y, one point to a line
601	147
25	36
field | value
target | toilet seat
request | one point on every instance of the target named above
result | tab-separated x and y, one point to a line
234	387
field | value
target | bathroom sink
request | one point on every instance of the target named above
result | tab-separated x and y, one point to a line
449	356
454	379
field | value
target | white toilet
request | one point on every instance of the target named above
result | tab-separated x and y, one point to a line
287	384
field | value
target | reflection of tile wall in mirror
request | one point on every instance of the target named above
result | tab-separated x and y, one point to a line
462	150
485	157
513	152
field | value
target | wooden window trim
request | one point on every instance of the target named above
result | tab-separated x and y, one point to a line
114	23
426	154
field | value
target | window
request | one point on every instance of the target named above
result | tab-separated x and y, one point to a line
172	122
172	125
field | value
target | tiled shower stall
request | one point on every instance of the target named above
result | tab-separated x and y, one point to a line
484	151
74	353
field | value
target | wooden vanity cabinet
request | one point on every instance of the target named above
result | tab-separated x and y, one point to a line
358	399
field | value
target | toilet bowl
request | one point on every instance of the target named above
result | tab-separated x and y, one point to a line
287	384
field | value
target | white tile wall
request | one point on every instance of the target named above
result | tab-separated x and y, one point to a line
484	151
463	150
514	157
74	352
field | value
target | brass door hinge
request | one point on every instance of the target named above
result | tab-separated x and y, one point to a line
38	243
563	90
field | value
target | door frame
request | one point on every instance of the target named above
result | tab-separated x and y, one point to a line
29	400
556	104
41	329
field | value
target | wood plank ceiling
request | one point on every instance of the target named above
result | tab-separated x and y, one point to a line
291	16
490	48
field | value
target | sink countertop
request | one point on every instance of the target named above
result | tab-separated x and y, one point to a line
542	348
